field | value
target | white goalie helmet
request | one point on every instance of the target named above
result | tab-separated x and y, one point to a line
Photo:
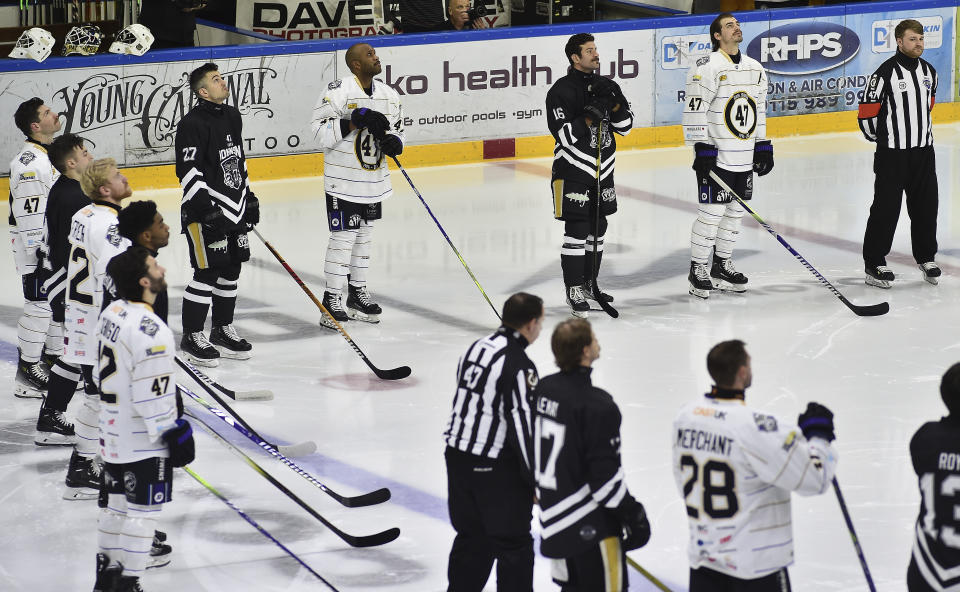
134	39
83	40
35	43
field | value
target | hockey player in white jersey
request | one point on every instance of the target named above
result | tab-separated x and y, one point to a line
724	119
94	240
358	123
141	438
735	468
31	177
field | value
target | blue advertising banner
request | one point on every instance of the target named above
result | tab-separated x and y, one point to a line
814	65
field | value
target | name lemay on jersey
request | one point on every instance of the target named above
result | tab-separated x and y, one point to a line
736	468
354	168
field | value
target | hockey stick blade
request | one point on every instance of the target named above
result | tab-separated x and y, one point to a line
258	395
372	540
597	295
391	374
368	499
871	310
208	384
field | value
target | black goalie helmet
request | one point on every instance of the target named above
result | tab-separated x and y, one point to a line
82	40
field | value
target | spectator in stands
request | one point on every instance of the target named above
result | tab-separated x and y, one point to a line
172	22
459	19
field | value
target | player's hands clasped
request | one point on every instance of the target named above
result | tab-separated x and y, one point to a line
374	121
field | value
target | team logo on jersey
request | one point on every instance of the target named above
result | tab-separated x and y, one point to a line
532	378
581	199
703	61
740	115
243	241
113	235
148	326
903	85
765	423
927	83
129	482
354	221
27	157
334	85
28	176
367	151
607	137
230	166
608	194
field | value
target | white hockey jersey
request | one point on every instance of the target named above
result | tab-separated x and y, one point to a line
354	169
726	105
735	468
94	240
137	382
31	177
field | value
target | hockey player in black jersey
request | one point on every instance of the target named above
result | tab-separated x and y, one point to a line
69	155
576	104
588	518
217	210
488	436
143	225
935	450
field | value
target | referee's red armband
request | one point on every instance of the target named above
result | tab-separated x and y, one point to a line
868	110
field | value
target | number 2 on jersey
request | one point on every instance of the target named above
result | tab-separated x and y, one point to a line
719	498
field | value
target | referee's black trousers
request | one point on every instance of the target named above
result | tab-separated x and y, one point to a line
490	507
910	170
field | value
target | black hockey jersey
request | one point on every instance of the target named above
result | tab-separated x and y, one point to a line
575	152
211	164
580	481
66	199
935	450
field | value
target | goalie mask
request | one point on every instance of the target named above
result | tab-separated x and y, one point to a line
35	43
134	40
83	40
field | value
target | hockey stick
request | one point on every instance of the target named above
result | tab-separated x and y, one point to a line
390	374
373	540
647	574
597	294
870	310
253	523
853	536
444	233
368	499
257	395
302	449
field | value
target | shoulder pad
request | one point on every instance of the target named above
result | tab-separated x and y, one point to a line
27	157
703	61
765	423
148	326
113	235
334	85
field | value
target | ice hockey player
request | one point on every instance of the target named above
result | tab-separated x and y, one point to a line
94	240
71	157
358	123
217	210
141	224
724	119
935	450
31	177
588	518
735	467
576	104
141	438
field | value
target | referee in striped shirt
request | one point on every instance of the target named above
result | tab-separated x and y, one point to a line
490	485
895	113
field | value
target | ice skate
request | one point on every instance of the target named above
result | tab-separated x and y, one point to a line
699	278
360	306
198	350
725	277
334	305
588	293
880	276
578	302
31	380
83	478
229	343
53	429
931	272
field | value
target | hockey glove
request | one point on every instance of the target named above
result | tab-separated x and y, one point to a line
636	527
33	286
598	109
763	157
373	121
391	145
252	215
179	441
704	161
601	86
817	421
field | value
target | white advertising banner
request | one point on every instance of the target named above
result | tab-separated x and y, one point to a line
131	113
497	88
300	20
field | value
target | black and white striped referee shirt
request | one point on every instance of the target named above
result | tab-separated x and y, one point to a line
492	403
896	105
